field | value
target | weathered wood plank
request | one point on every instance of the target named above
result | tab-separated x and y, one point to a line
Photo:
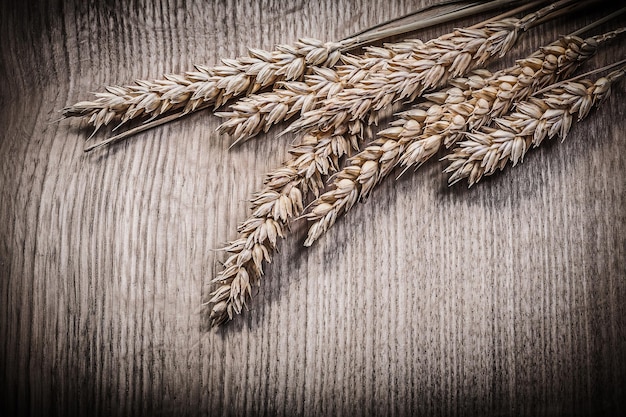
506	299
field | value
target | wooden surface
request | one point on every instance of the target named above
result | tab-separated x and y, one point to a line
503	300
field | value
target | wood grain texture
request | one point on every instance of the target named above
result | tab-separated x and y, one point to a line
504	300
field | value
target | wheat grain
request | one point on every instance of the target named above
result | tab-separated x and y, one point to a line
496	96
419	134
207	85
551	114
258	112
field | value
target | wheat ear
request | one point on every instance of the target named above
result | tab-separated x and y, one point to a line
207	85
281	199
257	113
406	78
448	56
420	133
498	94
551	114
318	154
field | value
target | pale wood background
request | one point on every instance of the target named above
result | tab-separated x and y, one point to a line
506	299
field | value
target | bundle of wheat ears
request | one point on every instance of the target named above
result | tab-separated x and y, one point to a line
486	118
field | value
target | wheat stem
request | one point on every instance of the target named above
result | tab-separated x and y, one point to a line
208	87
512	12
599	21
477	8
414	13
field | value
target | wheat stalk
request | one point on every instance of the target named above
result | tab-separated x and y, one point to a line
420	133
207	85
551	114
319	152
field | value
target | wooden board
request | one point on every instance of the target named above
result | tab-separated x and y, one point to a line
503	300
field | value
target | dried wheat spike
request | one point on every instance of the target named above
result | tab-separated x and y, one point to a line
440	59
207	85
317	155
429	67
420	133
495	97
272	208
551	114
257	113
